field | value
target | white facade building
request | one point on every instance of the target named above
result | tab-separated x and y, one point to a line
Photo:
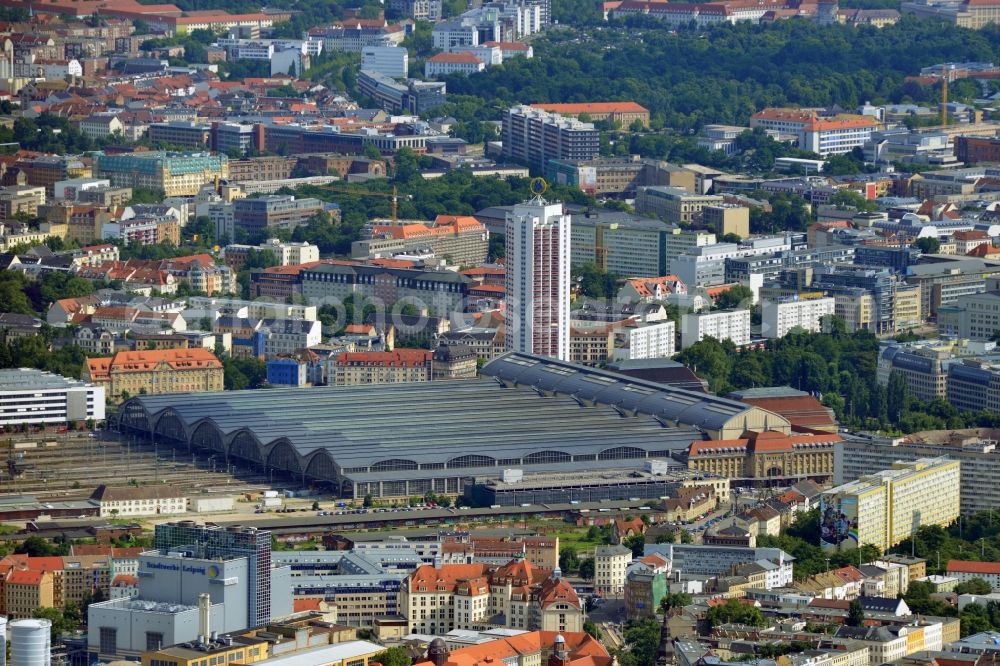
645	340
29	396
778	318
391	61
444	64
722	325
538	279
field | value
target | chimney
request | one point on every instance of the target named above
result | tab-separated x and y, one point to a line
204	624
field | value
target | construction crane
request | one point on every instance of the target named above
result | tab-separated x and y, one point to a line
367	193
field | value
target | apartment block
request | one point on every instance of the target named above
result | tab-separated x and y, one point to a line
979	458
534	136
390	367
884	508
610	565
807	314
722	325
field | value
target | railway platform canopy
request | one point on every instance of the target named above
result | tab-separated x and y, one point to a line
399	440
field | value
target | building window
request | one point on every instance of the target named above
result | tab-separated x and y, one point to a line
109	640
154	640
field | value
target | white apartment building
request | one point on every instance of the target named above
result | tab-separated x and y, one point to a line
610	565
288	253
778	318
722	325
285	336
645	340
391	61
705	265
200	307
33	397
538	279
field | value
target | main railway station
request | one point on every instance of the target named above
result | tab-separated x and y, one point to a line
525	412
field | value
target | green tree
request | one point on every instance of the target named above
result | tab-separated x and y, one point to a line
636	543
394	656
973	586
586	569
591	628
60	624
569	562
928	245
673	600
738	296
855	615
735	612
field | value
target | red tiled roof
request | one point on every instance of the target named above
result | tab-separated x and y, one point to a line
966	566
594	107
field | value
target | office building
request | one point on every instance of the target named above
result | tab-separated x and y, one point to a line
458	239
823	135
618	176
964	14
388	367
697	560
534	137
151	372
180	134
622	245
273	211
807	314
175	174
942	283
972	316
878	285
610	565
767	455
197	579
979	458
722	325
33	397
410	96
390	61
427	10
437	292
727	219
673	204
287	253
622	113
884	508
538	279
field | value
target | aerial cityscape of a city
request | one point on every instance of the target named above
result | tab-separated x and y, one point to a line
500	333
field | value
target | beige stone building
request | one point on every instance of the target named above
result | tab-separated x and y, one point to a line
437	600
765	455
161	371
